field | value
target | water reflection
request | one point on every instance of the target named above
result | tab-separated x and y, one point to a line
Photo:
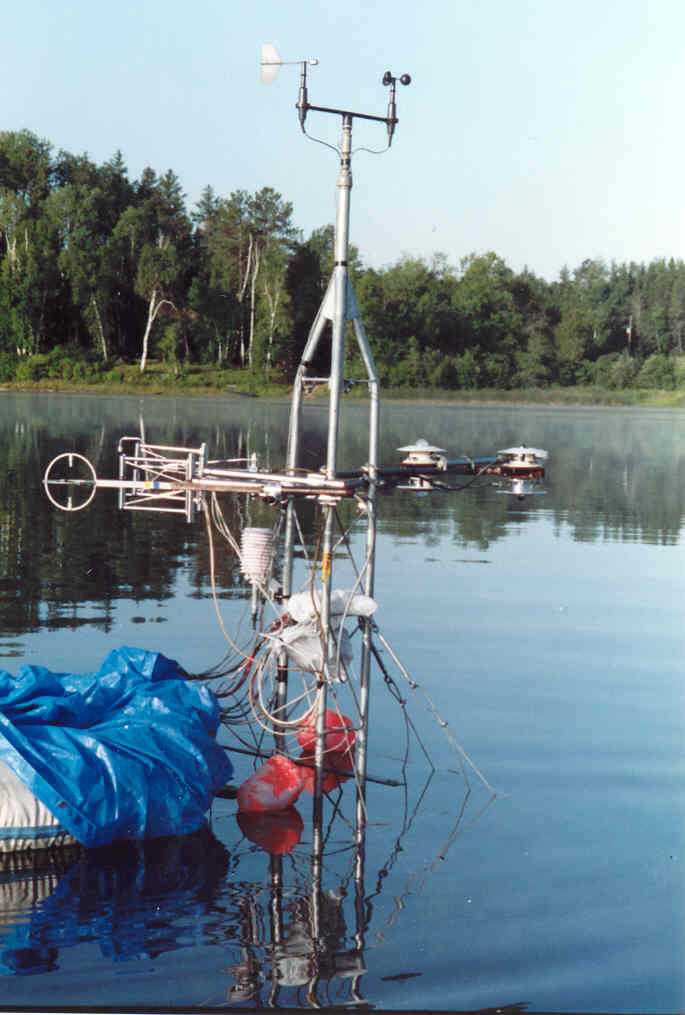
296	941
287	935
306	926
613	475
135	900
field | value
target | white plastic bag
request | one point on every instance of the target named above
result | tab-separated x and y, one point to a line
302	640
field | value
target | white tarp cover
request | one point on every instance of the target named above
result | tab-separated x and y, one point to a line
25	822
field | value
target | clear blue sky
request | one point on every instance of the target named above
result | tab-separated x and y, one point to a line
546	130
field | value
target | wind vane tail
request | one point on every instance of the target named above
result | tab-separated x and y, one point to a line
271	63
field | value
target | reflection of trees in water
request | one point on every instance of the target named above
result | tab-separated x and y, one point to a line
637	497
471	518
52	563
613	474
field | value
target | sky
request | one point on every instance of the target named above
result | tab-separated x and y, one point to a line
547	131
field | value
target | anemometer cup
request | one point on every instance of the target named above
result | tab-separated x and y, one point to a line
388	79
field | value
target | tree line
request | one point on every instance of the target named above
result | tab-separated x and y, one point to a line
96	268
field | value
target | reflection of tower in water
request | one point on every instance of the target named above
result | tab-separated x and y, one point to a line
300	944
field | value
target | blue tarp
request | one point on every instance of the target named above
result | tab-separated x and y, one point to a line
124	753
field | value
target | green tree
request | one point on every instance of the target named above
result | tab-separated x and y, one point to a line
676	306
269	224
79	214
156	236
275	299
30	284
489	320
25	167
237	232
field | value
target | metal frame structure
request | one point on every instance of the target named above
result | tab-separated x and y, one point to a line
176	479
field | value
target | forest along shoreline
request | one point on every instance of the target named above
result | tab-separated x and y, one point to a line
103	276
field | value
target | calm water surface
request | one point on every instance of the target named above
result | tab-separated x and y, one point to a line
548	633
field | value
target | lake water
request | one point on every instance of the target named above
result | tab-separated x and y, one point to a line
549	634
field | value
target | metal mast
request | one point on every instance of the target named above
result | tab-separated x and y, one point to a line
338	306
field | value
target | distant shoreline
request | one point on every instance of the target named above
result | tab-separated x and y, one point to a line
562	397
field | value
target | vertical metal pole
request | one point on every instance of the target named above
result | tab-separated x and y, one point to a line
292	460
342	231
288	546
367	626
286	582
293	452
319	753
315	333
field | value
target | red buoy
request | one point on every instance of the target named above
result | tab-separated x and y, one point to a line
340	735
274	786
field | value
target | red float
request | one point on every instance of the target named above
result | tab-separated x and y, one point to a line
340	735
274	786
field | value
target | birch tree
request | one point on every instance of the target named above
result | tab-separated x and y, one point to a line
157	238
275	297
79	216
242	227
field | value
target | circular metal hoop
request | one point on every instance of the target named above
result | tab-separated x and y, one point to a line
89	482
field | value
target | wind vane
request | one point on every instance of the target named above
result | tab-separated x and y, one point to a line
272	63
